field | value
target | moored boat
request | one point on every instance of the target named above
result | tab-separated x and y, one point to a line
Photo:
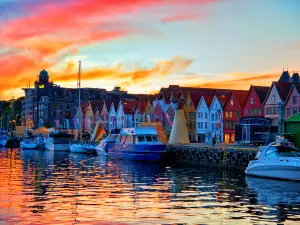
140	143
59	141
82	148
279	160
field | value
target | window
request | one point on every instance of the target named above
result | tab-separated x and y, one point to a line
205	115
287	112
246	112
154	138
226	115
205	125
198	124
274	110
231	102
201	115
230	114
237	114
201	125
294	99
212	117
226	123
273	98
198	115
141	138
148	138
294	110
258	111
251	101
212	127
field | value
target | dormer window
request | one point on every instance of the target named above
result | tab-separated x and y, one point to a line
188	102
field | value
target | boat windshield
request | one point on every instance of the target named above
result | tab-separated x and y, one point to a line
283	151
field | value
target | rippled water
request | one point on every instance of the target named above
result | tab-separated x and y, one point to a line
43	187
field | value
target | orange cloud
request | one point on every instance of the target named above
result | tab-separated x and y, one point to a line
182	17
50	32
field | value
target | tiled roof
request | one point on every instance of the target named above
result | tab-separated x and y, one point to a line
196	96
208	99
142	105
261	92
97	104
240	96
283	89
129	107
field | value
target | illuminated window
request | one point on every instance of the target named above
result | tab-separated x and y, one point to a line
41	86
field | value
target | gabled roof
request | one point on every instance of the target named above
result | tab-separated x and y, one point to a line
195	97
83	106
283	89
208	99
129	107
109	103
142	106
297	87
240	95
261	92
97	104
164	92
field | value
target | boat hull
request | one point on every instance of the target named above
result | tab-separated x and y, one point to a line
281	170
139	152
81	149
56	147
29	146
100	151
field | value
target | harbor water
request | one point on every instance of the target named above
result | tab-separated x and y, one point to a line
46	187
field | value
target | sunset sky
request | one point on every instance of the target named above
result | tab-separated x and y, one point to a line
142	45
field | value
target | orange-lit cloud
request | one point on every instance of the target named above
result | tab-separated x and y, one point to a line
49	32
181	17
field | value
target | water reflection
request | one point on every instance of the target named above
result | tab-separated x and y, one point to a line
60	187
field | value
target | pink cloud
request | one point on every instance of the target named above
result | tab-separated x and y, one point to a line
182	17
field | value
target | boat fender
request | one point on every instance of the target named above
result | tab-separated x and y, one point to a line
239	157
215	158
211	154
228	156
219	155
233	158
200	153
244	159
250	157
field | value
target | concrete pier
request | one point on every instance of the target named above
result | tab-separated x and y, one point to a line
225	154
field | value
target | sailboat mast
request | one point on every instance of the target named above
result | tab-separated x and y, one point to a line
79	108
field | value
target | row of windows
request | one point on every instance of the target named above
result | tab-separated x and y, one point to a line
288	111
253	112
200	115
230	124
229	114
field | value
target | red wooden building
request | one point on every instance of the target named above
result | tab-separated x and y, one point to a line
232	113
253	105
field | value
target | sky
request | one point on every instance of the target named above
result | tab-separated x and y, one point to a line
143	45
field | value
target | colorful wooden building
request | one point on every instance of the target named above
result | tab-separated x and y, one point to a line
292	103
254	101
232	113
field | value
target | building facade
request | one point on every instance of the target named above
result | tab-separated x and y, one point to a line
292	104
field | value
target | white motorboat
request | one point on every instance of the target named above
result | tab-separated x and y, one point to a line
82	148
59	141
279	160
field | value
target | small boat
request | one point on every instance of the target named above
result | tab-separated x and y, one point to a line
29	143
139	143
82	148
59	141
279	160
3	138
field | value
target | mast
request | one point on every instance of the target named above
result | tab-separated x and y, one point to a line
79	108
26	110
